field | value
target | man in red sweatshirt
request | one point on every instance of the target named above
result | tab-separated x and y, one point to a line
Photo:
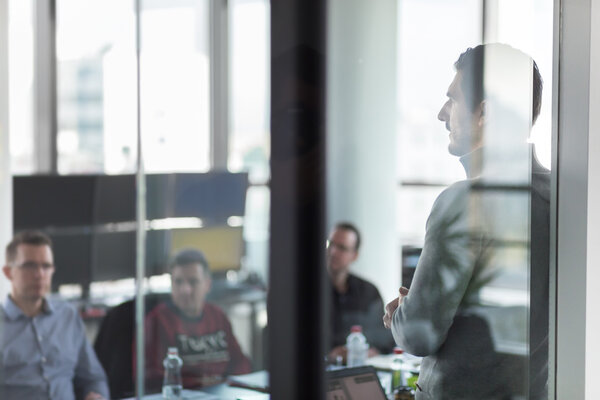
201	331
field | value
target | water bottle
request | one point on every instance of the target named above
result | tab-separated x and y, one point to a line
357	346
171	389
397	369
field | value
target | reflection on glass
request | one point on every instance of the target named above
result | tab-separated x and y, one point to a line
477	307
205	298
414	204
204	302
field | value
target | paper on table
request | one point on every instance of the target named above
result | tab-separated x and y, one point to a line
256	381
384	362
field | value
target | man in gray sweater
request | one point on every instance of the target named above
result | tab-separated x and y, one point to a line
484	234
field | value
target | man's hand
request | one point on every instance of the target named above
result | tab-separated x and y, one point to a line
338	355
94	396
372	352
392	306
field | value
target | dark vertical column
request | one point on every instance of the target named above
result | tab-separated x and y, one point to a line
297	296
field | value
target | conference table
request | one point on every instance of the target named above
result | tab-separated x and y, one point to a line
235	388
254	386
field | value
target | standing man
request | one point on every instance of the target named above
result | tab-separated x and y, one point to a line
477	239
200	330
45	354
354	301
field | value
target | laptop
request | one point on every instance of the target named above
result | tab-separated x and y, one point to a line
356	383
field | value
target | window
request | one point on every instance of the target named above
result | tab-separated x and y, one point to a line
20	59
249	54
97	86
95	43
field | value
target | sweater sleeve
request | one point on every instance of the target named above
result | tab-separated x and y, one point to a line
443	273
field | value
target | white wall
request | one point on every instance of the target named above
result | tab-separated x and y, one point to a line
361	133
5	176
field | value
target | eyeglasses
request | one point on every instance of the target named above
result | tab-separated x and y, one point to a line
30	266
338	246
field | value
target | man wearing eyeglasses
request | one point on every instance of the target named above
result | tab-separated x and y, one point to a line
354	301
44	352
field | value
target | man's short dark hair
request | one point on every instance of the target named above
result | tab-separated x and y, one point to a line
471	64
189	257
34	238
347	226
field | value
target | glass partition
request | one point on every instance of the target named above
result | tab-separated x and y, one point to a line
406	168
454	235
206	228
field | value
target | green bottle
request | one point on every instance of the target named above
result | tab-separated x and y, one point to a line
397	368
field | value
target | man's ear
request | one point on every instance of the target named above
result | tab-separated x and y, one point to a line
7	272
482	111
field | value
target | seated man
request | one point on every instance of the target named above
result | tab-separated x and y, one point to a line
200	331
44	353
354	301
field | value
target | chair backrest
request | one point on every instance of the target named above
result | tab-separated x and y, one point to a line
114	344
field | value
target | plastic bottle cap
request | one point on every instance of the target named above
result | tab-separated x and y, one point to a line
356	328
398	350
173	350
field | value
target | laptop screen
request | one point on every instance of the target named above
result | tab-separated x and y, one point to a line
354	384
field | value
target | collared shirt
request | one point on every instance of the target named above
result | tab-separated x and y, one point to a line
47	356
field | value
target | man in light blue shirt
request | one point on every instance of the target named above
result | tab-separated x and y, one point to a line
44	353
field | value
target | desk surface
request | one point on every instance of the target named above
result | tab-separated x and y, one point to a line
218	392
226	392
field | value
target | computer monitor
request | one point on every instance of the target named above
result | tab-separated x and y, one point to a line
52	201
223	246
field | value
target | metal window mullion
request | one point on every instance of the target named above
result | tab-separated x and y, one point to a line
571	192
219	87
141	217
45	87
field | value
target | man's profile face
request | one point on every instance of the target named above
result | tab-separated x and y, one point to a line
31	272
463	123
341	250
189	287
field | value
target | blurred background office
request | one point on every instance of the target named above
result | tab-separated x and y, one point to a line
73	123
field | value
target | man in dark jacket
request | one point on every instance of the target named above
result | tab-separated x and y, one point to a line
354	301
